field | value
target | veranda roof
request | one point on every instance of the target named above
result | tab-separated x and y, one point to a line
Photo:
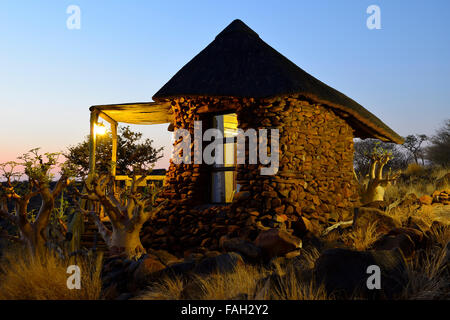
239	64
136	113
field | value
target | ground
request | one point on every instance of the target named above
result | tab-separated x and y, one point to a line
407	236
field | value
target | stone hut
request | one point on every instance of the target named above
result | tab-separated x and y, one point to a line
239	81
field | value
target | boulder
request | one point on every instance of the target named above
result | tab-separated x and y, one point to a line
401	241
276	242
177	269
426	200
344	272
417	236
365	216
223	263
409	200
147	267
246	248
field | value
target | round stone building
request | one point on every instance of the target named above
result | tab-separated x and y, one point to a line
240	82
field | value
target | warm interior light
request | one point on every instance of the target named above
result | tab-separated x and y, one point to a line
100	129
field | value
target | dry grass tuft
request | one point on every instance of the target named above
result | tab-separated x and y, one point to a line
23	277
293	287
440	235
414	169
165	289
428	276
362	239
241	283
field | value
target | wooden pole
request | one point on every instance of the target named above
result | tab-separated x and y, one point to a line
114	149
114	154
92	142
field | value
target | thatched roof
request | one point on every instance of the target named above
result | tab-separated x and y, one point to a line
239	64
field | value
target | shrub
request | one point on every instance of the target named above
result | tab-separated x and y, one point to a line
414	169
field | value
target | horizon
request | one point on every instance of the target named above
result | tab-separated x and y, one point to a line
125	52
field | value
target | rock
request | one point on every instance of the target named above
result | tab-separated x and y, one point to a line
366	216
243	195
292	254
425	199
223	263
299	227
149	265
417	236
177	269
391	241
164	257
409	200
344	272
380	205
243	247
276	242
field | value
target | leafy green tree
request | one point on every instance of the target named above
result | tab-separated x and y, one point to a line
134	154
414	145
439	150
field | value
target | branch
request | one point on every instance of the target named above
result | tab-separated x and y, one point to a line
45	211
373	165
381	165
102	229
152	214
62	183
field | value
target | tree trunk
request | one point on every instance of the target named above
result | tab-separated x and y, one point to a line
127	241
34	239
374	192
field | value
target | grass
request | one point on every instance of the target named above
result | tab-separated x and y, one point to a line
23	277
362	239
246	282
428	277
417	180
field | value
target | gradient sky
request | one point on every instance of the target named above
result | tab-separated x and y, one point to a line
126	50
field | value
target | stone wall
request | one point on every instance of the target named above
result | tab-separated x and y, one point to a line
313	188
315	179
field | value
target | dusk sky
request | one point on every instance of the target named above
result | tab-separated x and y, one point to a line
126	50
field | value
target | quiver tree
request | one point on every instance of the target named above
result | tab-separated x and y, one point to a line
374	188
16	196
127	212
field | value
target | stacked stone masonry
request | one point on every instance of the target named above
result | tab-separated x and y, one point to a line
314	186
